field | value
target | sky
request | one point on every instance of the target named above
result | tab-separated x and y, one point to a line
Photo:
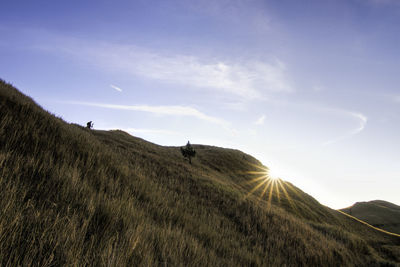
310	88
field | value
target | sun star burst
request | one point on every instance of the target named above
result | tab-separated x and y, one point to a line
271	187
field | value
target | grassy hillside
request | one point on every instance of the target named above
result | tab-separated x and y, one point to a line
379	213
72	196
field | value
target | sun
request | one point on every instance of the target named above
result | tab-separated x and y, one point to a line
264	173
268	185
273	174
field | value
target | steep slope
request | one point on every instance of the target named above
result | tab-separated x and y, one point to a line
379	213
80	197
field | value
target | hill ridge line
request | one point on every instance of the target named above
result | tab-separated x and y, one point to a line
367	224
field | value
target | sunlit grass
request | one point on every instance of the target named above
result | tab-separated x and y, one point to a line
76	197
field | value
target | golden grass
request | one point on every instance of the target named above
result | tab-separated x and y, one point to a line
71	196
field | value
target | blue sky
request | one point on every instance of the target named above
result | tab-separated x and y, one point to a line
310	88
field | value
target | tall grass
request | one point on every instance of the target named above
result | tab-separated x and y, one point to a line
71	196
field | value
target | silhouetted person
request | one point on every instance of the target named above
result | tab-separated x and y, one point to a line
89	125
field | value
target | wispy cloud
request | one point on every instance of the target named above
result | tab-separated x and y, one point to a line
237	106
362	122
159	110
151	131
246	79
144	131
237	15
116	88
260	121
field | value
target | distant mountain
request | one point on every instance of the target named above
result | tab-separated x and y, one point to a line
74	196
379	213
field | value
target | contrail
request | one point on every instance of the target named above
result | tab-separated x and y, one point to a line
116	88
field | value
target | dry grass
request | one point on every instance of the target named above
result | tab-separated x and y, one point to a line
378	213
70	196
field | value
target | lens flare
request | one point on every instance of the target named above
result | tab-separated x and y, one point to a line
268	186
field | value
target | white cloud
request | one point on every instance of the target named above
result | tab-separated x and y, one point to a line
238	106
238	15
159	110
150	131
397	98
116	88
144	131
260	121
362	121
246	79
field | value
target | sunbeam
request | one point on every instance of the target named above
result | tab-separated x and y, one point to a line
269	187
